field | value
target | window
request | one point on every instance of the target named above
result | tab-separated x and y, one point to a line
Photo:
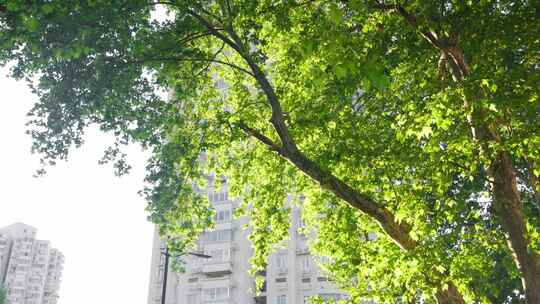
281	261
301	223
192	299
281	299
305	263
306	280
223	216
281	280
216	293
219	235
322	279
325	260
220	254
220	196
193	280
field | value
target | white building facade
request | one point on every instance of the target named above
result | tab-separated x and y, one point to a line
30	269
292	275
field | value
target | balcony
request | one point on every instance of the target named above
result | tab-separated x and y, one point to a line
302	251
282	271
281	283
305	284
217	268
194	284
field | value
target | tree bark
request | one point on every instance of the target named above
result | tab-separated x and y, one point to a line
399	232
449	296
509	208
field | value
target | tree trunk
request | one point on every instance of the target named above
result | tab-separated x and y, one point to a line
507	200
449	296
509	209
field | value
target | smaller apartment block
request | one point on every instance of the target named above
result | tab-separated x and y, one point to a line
30	269
292	275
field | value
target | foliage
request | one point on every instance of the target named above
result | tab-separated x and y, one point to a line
2	295
364	107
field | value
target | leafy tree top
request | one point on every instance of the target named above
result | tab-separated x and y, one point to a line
363	107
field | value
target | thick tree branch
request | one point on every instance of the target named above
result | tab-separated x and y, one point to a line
458	64
277	113
277	118
289	151
194	36
397	231
194	59
430	36
215	31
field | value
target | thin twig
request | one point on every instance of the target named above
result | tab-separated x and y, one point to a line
195	60
260	137
211	60
194	36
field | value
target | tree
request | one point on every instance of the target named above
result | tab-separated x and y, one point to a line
2	295
417	120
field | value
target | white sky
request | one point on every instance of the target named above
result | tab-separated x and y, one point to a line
96	219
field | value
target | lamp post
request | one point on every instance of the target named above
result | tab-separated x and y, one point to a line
166	270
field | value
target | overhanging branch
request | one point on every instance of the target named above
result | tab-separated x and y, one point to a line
260	137
398	231
195	59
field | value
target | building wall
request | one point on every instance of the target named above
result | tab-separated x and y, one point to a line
30	268
292	274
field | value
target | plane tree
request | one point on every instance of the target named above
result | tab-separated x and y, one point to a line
416	120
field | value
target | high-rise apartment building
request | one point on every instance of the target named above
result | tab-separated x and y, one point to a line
292	275
30	269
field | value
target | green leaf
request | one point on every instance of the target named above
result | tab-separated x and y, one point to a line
31	23
335	14
47	8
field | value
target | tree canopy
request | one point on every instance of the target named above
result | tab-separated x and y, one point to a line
2	295
417	120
